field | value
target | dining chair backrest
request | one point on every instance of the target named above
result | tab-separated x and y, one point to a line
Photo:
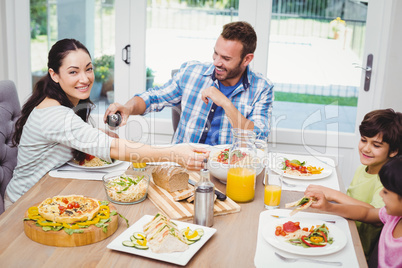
10	110
176	110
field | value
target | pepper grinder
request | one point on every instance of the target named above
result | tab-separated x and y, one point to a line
204	199
113	121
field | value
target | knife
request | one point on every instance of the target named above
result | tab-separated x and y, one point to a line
221	196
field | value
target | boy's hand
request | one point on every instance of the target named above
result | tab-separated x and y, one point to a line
321	202
330	194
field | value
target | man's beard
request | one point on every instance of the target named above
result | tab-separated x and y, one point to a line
231	73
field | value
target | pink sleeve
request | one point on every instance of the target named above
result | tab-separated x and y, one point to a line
384	217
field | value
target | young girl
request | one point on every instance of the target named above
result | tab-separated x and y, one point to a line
390	243
52	127
381	139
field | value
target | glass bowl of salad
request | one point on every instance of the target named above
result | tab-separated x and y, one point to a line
218	163
126	189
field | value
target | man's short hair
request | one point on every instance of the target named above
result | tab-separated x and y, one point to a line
241	31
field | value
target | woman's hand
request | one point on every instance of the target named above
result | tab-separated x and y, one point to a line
117	107
190	157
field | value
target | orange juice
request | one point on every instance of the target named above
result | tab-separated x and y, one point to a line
240	185
139	165
272	196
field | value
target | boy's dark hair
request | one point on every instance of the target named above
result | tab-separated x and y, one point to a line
244	33
386	122
391	175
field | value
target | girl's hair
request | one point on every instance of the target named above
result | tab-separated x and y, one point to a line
391	175
386	122
46	87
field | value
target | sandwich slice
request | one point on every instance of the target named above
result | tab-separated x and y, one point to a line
164	236
300	204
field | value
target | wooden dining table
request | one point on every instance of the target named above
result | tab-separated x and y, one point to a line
233	244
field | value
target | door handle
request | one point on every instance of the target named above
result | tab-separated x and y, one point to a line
368	69
125	54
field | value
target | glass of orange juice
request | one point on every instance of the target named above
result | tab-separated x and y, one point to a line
273	189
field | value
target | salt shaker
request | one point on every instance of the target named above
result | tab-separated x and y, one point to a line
114	121
204	199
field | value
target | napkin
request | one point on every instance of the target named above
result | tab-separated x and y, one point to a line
330	181
265	253
86	174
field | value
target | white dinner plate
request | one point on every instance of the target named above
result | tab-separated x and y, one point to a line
115	163
276	166
179	258
280	242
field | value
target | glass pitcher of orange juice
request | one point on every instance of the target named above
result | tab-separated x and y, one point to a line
240	185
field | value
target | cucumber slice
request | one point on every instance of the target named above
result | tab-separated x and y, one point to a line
132	238
188	242
128	243
141	247
200	231
196	238
139	236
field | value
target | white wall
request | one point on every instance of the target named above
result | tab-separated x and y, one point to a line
392	97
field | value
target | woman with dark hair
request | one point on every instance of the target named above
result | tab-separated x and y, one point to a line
390	215
53	125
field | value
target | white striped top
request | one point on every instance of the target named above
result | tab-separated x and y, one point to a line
46	142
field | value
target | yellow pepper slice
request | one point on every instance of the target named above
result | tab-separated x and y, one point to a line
43	222
142	242
74	226
33	210
104	208
316	239
195	234
34	217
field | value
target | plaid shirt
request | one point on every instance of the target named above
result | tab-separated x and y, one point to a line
252	98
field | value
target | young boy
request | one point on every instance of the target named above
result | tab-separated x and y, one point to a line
390	243
381	139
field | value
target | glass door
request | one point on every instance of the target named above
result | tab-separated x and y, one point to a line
187	30
92	22
315	50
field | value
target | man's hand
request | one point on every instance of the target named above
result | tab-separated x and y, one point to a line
117	107
215	95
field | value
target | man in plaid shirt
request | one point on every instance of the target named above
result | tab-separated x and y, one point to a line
215	97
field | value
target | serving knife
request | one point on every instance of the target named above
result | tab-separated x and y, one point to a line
221	196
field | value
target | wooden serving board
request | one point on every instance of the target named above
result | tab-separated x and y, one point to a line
91	235
184	210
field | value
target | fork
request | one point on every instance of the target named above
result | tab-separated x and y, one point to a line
287	259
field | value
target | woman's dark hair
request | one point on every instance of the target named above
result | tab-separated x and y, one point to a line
391	175
46	87
386	122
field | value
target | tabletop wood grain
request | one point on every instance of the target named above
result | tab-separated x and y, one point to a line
233	245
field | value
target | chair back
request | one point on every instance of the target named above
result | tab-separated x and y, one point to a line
176	110
10	110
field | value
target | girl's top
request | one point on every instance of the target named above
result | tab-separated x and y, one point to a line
389	248
46	143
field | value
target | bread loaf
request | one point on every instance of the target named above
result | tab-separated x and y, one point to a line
171	178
